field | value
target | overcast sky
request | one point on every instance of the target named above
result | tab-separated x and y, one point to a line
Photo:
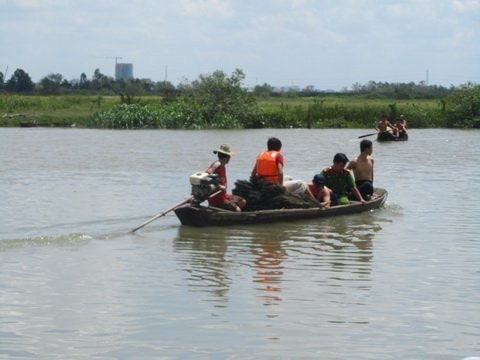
330	44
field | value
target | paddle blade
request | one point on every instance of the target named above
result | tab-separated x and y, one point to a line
163	213
362	136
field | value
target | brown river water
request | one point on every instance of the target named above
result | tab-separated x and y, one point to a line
400	282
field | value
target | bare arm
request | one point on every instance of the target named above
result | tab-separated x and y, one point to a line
326	201
351	165
280	173
358	195
372	168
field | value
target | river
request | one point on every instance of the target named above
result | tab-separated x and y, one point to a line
400	282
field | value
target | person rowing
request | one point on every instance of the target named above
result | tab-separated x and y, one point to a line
222	199
385	128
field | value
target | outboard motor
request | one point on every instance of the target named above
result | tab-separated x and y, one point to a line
203	185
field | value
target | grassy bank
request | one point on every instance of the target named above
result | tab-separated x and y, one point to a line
316	112
352	111
61	110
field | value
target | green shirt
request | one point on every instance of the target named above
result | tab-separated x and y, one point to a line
340	183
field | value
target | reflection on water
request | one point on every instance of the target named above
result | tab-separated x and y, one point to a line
204	259
332	253
268	252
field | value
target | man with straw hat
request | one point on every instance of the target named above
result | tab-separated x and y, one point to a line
223	200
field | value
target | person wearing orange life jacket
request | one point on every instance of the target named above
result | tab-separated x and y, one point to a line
269	164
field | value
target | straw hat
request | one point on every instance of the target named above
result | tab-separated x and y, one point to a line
224	149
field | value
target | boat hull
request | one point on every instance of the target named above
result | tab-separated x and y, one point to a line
387	136
207	216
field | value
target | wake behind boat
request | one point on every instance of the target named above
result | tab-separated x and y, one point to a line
198	215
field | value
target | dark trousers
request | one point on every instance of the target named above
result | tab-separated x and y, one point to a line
365	187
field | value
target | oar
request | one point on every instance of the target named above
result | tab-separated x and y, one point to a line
362	136
163	213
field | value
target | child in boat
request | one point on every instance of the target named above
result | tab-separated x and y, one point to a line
269	164
319	191
383	125
224	200
341	181
362	167
400	128
316	190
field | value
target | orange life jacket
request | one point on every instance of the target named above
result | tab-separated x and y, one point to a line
267	166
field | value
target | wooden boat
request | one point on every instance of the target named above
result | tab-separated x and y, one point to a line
208	216
388	136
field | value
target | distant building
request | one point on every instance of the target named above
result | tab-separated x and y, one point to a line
123	71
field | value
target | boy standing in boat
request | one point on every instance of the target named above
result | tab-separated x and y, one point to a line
383	125
224	200
400	129
269	164
362	167
341	181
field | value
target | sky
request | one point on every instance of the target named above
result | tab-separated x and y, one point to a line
327	44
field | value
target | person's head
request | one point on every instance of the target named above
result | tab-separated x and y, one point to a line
339	161
365	145
319	181
274	144
384	117
224	152
340	158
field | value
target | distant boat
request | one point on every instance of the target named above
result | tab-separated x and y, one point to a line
388	136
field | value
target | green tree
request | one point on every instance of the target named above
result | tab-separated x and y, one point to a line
101	81
20	82
51	84
2	80
129	90
464	107
221	101
264	90
167	90
83	84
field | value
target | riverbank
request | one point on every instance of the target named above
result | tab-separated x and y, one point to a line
277	112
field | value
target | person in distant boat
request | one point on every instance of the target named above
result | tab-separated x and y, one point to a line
400	128
385	129
383	125
362	167
224	200
341	181
404	121
269	164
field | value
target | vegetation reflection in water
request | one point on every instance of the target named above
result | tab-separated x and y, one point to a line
333	253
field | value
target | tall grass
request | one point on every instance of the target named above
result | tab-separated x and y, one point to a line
279	112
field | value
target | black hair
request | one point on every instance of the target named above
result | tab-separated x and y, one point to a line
340	158
365	144
222	155
274	144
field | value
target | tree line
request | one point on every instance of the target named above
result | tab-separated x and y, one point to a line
218	100
99	83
